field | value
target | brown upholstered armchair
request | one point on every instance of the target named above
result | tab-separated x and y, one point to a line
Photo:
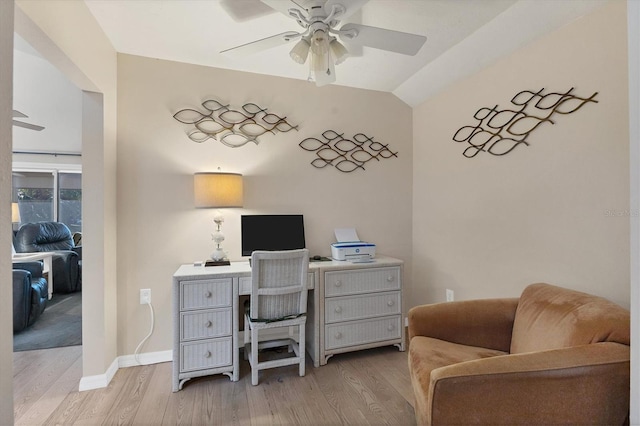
553	356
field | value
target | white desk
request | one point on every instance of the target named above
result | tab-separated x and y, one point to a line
351	306
46	256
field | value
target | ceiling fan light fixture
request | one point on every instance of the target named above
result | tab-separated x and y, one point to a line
340	53
319	20
319	42
300	51
321	69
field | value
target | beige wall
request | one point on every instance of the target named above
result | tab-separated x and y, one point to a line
158	227
68	36
489	225
6	286
633	40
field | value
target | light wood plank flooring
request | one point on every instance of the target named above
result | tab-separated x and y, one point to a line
361	388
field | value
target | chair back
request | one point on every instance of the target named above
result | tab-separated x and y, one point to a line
43	236
278	284
551	317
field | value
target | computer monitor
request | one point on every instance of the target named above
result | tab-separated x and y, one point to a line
272	232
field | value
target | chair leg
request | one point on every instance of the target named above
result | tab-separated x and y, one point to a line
301	349
291	333
246	336
254	357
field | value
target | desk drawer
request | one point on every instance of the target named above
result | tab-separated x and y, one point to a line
349	308
338	283
205	324
362	332
202	294
205	354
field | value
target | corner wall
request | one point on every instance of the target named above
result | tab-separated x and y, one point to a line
554	211
68	36
158	226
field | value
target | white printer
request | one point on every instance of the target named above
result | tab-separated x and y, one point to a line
349	247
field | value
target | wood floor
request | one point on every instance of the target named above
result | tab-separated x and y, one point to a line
362	388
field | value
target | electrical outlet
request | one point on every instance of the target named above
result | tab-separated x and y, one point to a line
450	295
145	296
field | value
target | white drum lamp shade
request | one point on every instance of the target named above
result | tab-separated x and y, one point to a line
217	190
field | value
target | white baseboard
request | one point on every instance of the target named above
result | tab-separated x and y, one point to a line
145	359
102	380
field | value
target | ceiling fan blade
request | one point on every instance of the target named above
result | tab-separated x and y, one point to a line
351	7
282	6
27	125
18	114
380	38
244	10
262	44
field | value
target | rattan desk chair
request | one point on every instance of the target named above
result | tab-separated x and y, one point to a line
278	299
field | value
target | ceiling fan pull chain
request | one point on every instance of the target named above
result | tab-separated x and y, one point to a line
328	56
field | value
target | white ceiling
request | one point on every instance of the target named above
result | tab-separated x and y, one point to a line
195	31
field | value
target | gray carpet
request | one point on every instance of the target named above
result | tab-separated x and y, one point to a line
59	325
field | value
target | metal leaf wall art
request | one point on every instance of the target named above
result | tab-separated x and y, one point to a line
346	155
498	132
233	128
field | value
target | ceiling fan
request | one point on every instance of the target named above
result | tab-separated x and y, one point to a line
319	20
18	114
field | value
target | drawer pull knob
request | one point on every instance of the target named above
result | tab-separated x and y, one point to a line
390	278
207	354
390	327
338	335
338	309
390	303
207	294
338	283
208	324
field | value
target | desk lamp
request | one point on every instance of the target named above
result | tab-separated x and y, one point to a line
15	215
217	190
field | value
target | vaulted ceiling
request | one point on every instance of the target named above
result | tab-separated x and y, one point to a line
195	31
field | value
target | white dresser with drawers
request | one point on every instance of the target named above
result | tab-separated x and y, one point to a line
351	306
205	328
362	307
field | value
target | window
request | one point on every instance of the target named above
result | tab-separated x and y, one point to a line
49	196
70	200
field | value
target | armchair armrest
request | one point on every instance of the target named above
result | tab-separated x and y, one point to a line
35	267
65	270
21	299
485	323
586	384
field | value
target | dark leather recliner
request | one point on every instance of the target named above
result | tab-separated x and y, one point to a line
53	237
30	293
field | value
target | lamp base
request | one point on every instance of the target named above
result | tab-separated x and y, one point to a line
217	263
